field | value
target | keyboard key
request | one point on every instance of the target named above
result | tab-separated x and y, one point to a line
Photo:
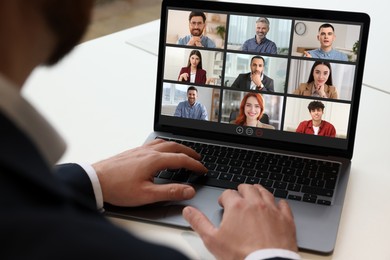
252	180
280	185
235	163
317	191
262	174
212	174
249	165
235	170
210	166
294	187
289	178
249	172
280	193
267	182
222	168
310	198
275	176
324	202
223	160
275	168
294	197
225	176
239	178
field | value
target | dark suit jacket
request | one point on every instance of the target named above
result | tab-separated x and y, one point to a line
243	81
51	213
200	76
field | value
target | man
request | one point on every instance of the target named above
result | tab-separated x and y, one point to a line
260	43
316	126
326	37
197	24
255	80
190	108
53	212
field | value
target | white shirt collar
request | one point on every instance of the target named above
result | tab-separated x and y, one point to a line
28	119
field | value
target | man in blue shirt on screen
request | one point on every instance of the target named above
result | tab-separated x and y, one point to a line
197	24
326	36
260	43
191	108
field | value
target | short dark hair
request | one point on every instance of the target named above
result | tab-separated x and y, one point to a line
192	88
315	105
258	57
326	25
197	13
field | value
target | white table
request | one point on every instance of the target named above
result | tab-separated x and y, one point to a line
101	98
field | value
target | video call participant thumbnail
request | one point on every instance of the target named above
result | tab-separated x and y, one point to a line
260	43
326	36
197	25
251	111
255	80
191	108
193	72
316	126
320	82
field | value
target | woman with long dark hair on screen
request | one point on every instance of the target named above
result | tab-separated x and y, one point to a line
251	110
193	72
320	83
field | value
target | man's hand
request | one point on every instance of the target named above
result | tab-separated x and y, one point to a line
251	221
306	54
256	78
127	178
195	41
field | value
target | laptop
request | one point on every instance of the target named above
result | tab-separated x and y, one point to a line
284	151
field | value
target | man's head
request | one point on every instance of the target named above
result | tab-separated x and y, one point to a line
68	20
192	95
262	27
197	22
39	32
326	36
316	109
257	65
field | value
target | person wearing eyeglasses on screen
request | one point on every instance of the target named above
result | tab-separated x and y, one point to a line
197	25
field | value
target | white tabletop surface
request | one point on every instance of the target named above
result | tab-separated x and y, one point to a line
101	99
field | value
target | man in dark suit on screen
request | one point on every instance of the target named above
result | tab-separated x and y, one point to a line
256	79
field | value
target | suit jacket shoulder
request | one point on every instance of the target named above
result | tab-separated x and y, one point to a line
243	81
51	215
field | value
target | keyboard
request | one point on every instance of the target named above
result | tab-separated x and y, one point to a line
285	176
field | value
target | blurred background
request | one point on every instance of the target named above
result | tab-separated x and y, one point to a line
111	16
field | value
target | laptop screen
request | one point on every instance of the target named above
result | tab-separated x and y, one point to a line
261	75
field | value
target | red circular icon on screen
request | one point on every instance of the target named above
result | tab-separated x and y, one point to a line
259	132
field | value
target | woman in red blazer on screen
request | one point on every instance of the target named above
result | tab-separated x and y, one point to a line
193	73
